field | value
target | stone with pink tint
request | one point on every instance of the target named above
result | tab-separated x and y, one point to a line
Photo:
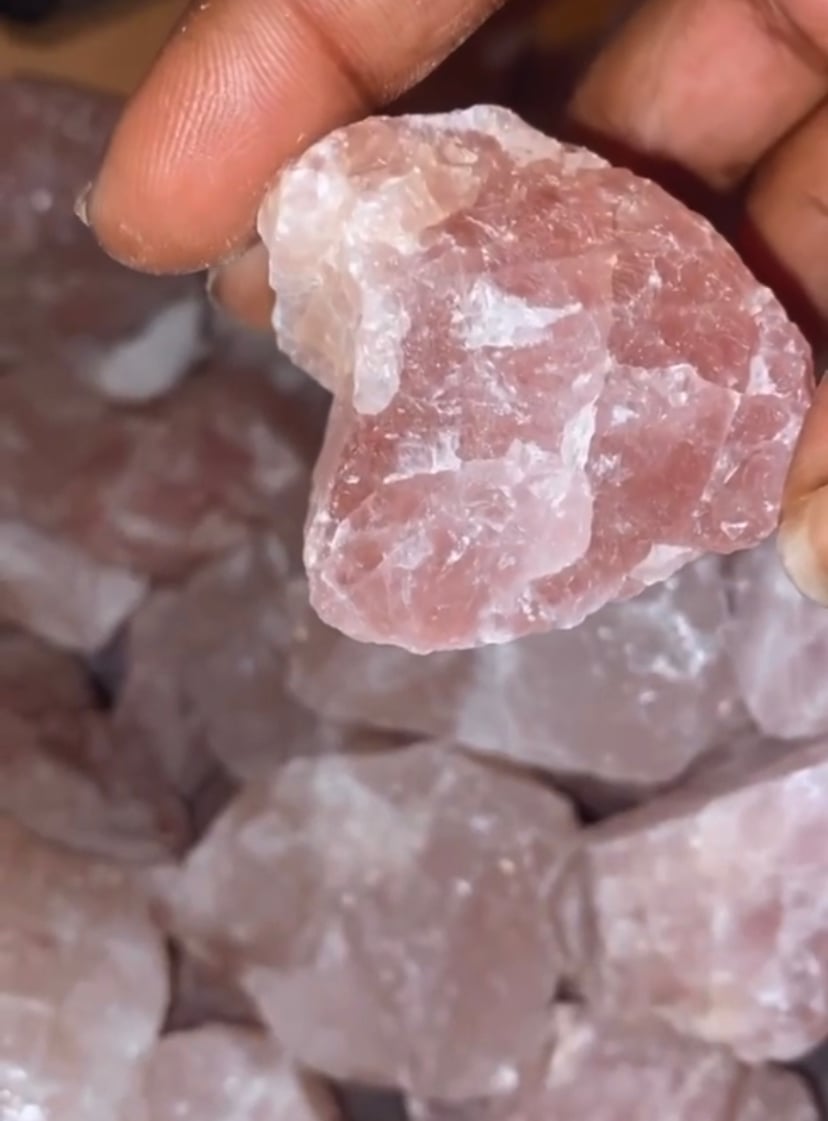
206	671
631	698
707	909
221	1073
83	983
57	591
64	303
606	1070
64	775
778	644
391	914
157	490
554	384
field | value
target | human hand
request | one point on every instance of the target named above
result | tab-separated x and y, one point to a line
725	88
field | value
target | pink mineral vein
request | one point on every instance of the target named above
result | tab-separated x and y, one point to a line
554	384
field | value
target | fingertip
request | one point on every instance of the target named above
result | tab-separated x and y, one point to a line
241	288
803	545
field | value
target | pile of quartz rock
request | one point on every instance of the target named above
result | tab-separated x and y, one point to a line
248	863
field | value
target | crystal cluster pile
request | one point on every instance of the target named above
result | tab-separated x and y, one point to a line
253	869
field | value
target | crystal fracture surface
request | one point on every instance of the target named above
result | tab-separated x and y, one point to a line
707	910
656	664
221	1073
778	644
410	891
605	1070
62	772
82	983
554	384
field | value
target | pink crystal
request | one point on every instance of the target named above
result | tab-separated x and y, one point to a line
778	643
158	489
59	592
207	667
707	910
554	384
409	892
630	698
605	1070
64	776
221	1073
82	983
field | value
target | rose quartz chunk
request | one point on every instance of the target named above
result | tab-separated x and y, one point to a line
221	1073
708	910
59	592
61	772
409	893
631	697
159	489
554	384
778	643
206	672
82	983
605	1070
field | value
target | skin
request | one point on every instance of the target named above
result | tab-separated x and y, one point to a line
734	91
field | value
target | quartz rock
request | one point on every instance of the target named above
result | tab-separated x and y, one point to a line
778	643
389	914
61	773
206	672
630	698
63	303
604	1070
157	490
82	982
221	1073
59	592
554	384
706	909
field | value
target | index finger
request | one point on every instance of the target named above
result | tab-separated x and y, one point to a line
710	85
242	86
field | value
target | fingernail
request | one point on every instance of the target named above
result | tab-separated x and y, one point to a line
802	541
210	284
82	204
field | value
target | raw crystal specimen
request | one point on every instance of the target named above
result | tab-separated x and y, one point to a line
63	303
206	671
603	1070
59	592
82	983
61	773
408	892
222	1073
156	490
631	697
707	910
778	642
554	384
